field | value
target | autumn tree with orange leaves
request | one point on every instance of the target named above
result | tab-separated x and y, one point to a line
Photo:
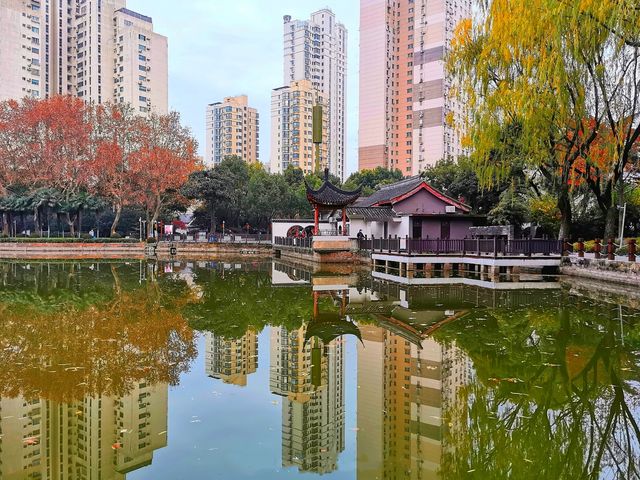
116	139
164	161
59	154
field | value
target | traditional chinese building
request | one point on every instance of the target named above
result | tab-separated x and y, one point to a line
329	200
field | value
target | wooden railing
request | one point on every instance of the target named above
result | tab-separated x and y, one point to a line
437	246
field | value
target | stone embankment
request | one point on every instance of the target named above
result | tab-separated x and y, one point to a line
90	250
131	250
605	271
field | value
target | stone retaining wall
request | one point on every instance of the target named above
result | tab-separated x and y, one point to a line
44	250
603	270
208	250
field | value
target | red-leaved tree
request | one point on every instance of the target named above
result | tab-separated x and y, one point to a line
164	161
116	140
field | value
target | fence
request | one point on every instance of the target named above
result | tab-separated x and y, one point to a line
257	238
293	242
495	247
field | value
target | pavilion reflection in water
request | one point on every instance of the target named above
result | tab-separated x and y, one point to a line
405	379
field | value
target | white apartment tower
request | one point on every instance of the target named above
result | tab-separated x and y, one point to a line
316	50
22	44
97	50
232	128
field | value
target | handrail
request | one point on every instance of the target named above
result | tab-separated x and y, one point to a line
467	246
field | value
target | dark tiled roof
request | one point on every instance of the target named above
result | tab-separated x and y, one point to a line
396	190
388	192
331	196
371	213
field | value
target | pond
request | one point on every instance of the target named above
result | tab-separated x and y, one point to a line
268	370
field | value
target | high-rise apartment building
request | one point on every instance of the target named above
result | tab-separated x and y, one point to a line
292	128
231	361
316	50
233	128
22	44
97	50
405	103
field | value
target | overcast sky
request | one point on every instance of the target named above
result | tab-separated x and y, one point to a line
220	48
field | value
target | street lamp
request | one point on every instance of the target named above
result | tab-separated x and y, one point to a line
624	218
223	230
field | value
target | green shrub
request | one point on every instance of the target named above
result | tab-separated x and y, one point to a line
622	251
152	240
116	235
86	236
66	240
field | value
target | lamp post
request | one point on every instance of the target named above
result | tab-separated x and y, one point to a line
223	230
624	215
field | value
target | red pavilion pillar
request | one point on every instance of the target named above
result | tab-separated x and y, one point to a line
316	219
344	221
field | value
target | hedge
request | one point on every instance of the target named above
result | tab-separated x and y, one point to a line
68	240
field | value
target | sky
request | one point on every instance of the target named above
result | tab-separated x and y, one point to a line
221	48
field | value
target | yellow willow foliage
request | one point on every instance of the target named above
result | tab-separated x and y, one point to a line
524	63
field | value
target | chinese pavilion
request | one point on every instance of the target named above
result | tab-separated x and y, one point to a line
330	198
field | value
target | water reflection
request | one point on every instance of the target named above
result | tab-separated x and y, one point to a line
87	353
448	380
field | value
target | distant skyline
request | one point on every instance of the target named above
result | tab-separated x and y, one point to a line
219	49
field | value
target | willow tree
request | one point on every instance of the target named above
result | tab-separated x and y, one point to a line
523	64
611	30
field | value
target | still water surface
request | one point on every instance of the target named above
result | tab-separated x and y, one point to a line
199	370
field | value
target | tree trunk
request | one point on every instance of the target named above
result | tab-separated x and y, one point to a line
116	220
156	214
564	205
212	224
611	219
6	224
71	221
36	221
79	223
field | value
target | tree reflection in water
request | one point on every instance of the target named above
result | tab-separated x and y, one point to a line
72	330
555	394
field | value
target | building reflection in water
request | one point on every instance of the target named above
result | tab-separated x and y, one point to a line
84	392
98	437
406	380
403	390
307	371
231	361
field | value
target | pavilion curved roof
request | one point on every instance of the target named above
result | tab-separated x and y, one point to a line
329	326
328	195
